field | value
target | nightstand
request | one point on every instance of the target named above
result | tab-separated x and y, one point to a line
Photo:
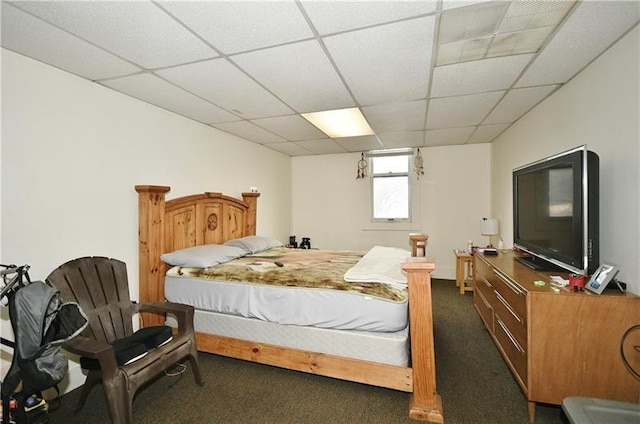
464	271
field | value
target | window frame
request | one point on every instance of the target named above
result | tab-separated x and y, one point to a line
371	156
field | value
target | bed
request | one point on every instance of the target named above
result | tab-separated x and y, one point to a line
396	358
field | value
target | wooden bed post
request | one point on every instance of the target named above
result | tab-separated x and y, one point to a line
425	403
151	202
250	199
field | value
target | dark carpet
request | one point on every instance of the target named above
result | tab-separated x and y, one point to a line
473	380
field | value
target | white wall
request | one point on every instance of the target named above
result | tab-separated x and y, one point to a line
599	108
72	152
333	208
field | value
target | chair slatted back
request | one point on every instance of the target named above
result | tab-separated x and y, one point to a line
100	286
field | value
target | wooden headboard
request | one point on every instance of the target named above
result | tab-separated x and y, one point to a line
168	225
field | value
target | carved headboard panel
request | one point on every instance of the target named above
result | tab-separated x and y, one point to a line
168	225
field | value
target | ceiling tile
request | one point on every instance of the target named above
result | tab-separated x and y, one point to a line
336	16
228	63
235	26
137	31
386	63
310	84
527	41
450	4
486	133
407	116
360	144
220	82
593	27
394	140
447	136
290	148
322	146
58	48
515	27
518	102
150	88
250	132
291	127
462	111
478	76
466	23
530	14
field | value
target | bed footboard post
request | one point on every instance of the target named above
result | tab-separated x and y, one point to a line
151	207
425	403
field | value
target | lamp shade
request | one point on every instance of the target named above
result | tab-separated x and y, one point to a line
490	227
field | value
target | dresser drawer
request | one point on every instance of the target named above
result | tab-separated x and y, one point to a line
482	269
512	350
514	295
516	325
483	306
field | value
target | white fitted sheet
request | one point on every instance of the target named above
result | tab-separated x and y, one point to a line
322	308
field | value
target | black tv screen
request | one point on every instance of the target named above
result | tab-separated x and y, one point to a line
556	214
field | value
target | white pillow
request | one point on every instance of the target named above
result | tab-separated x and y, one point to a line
203	256
254	244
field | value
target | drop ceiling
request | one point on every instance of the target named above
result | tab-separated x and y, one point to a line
424	73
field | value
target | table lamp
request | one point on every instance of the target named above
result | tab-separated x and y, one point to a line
490	228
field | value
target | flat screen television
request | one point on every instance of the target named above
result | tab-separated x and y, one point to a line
556	212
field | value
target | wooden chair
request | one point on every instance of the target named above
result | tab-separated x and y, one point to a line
100	286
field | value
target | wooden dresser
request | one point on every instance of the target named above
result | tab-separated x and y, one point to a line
557	344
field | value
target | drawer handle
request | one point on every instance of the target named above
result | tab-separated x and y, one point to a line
511	285
486	283
513	341
484	300
506	305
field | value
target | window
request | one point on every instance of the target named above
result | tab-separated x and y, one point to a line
390	187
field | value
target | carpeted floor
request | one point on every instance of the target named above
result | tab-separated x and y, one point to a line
472	378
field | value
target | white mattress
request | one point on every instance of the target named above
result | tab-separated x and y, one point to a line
389	348
320	308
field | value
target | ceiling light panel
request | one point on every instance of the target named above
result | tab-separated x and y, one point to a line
236	26
340	122
154	90
58	48
137	31
221	83
310	82
386	63
329	17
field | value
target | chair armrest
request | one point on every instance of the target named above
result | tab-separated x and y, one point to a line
84	346
183	313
